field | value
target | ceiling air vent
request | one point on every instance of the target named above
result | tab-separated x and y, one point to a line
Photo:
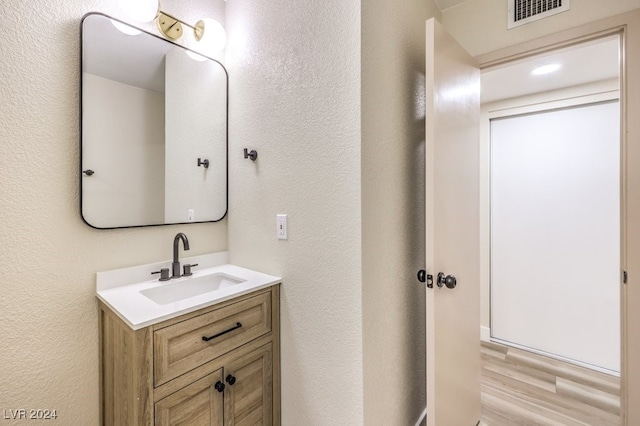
524	11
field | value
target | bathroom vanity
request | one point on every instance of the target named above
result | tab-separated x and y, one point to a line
217	364
195	341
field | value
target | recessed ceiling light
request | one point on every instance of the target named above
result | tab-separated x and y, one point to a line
546	69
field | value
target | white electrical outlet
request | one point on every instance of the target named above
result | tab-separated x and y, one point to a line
190	215
281	226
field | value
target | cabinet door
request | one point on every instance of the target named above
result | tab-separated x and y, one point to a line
249	400
199	404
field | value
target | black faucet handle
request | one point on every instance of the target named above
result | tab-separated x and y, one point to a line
164	274
186	269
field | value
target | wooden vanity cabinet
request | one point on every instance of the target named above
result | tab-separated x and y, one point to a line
166	374
249	401
196	404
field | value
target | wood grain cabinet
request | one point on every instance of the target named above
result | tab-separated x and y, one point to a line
216	366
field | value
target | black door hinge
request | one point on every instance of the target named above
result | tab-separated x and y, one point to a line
624	277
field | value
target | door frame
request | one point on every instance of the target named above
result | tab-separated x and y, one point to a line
627	25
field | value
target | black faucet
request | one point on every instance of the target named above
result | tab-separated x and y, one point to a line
175	266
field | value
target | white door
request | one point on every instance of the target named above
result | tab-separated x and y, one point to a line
452	231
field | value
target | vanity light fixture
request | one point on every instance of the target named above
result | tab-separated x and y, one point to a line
207	31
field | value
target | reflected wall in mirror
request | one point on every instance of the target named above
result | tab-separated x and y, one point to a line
154	129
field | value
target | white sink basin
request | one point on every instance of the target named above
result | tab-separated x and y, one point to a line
141	301
185	288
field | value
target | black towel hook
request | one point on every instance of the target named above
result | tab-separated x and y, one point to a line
253	155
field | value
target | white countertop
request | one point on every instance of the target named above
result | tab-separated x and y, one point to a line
120	289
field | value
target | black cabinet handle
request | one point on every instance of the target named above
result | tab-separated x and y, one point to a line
237	326
230	379
219	386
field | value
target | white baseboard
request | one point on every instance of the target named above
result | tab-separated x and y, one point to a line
423	418
485	334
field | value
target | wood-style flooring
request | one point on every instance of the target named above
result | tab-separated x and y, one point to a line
523	388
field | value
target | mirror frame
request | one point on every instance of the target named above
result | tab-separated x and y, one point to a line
81	110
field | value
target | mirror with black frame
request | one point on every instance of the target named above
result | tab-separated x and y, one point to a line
153	129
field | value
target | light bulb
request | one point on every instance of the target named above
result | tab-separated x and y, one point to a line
211	34
126	29
195	56
141	10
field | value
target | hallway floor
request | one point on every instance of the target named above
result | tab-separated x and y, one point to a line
523	388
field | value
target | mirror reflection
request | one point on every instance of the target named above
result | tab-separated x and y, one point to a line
154	129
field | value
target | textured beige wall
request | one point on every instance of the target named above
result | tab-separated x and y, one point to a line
393	66
295	97
48	312
481	25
